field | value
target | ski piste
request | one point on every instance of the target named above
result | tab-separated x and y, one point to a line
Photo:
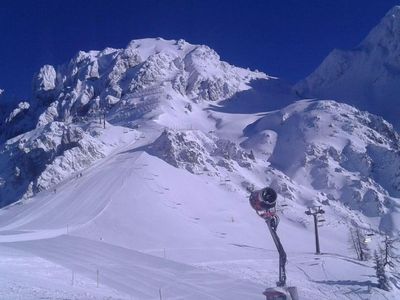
264	203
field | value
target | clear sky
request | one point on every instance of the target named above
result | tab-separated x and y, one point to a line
284	38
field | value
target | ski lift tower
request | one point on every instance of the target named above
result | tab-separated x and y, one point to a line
264	203
315	211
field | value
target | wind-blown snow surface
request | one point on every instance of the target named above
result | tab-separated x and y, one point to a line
156	202
367	76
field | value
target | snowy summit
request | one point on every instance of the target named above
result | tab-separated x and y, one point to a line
366	76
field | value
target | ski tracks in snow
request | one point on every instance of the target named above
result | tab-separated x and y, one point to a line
137	274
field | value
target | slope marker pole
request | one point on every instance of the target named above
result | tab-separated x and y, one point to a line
97	277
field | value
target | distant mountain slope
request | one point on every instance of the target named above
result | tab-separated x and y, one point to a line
367	76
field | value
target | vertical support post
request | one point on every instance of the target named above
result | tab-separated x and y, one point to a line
315	212
317	250
281	251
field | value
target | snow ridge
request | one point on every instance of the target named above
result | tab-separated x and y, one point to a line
367	76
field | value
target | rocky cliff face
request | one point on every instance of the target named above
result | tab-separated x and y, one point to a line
98	80
198	152
42	158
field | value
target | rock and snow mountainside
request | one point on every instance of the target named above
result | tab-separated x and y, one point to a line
13	119
127	85
367	76
347	155
99	80
123	155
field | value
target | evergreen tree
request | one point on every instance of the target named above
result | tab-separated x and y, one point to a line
383	282
389	256
359	245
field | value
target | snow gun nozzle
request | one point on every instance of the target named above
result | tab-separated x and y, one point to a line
263	200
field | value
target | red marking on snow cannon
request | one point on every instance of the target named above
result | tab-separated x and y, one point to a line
264	202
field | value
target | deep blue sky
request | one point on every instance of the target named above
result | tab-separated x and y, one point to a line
285	38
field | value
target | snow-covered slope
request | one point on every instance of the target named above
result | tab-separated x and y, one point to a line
367	76
133	169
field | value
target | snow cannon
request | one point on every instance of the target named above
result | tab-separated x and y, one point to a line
264	202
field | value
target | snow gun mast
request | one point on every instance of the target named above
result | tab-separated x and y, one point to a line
264	203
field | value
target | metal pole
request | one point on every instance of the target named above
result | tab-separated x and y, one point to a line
315	212
282	254
317	251
97	277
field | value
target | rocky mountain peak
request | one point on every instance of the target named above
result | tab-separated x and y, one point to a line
367	76
387	33
97	81
102	78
